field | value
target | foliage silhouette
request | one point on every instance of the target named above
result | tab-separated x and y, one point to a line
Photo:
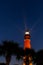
28	53
2	64
9	49
39	57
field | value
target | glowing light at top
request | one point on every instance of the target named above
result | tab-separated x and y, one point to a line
27	33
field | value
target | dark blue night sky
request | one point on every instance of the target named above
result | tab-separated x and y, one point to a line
12	15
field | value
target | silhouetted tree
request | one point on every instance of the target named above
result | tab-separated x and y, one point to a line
39	57
9	49
30	56
2	64
1	50
28	53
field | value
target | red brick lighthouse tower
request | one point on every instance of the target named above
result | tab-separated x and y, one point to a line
27	41
27	44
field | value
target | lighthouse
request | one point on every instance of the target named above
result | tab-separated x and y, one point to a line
27	41
27	45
